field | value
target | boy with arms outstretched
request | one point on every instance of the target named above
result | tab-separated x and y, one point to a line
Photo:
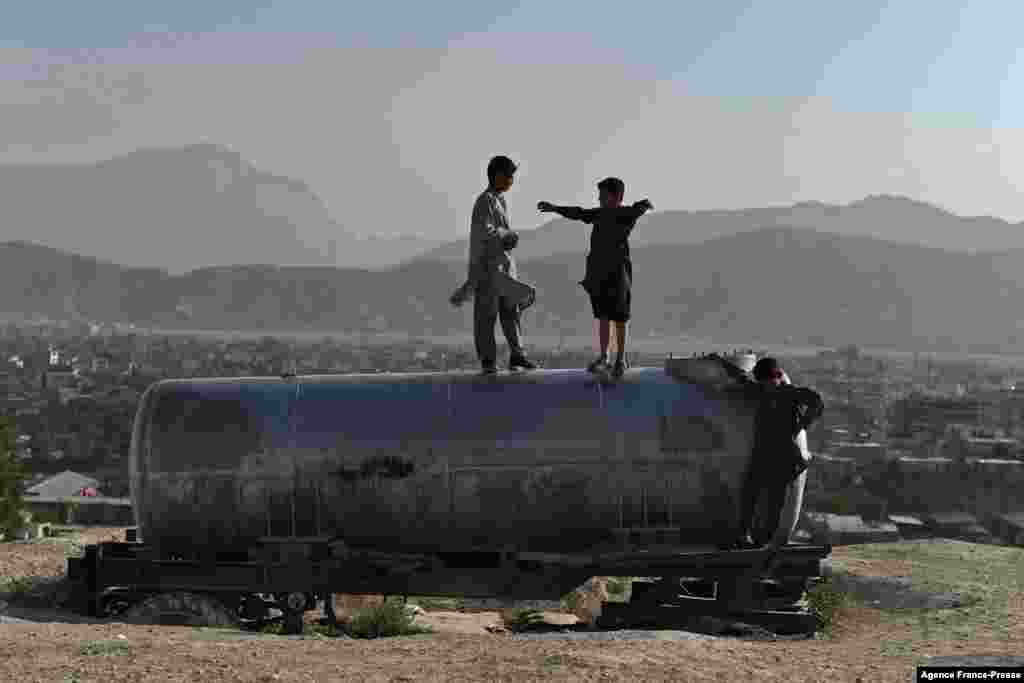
609	274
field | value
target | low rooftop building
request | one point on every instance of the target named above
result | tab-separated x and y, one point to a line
67	484
850	529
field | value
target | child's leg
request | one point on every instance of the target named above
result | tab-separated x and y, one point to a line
603	334
619	328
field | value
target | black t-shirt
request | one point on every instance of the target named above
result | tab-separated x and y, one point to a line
782	413
609	239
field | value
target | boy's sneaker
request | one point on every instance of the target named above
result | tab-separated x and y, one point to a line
599	364
489	369
619	369
521	363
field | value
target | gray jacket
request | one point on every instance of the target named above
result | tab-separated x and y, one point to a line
488	227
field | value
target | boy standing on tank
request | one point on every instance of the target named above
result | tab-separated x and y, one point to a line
490	241
609	275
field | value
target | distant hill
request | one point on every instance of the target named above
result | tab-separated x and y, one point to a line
204	206
771	285
61	285
181	209
889	218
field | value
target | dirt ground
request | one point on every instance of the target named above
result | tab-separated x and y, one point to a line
865	645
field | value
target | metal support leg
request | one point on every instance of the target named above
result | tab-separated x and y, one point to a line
94	603
737	594
329	615
293	625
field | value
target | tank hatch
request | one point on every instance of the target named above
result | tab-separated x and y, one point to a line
711	368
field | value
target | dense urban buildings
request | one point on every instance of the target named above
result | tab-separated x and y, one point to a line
909	435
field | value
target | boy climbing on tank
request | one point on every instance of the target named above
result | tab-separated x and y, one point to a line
609	274
777	459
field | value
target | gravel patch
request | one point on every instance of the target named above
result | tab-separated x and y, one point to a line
223	635
629	634
887	592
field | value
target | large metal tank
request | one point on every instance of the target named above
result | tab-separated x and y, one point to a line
544	461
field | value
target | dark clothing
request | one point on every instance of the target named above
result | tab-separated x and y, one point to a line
784	412
488	308
609	275
777	459
761	486
611	299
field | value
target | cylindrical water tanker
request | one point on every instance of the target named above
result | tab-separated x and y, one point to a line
546	461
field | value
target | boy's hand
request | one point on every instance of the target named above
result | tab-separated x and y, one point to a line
459	296
545	207
645	204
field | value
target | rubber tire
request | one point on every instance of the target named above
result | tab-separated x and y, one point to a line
181	609
292	624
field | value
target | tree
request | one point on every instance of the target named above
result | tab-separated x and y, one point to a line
11	475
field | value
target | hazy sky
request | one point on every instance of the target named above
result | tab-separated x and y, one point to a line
390	110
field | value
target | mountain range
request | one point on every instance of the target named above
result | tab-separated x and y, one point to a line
773	285
884	270
204	205
180	209
885	217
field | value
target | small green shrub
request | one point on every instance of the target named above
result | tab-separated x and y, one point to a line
824	602
104	647
435	603
52	517
322	630
383	621
36	591
17	586
552	662
523	620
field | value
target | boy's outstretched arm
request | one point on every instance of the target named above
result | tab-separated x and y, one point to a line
641	207
573	213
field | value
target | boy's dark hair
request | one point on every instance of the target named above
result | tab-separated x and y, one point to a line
612	185
765	367
502	165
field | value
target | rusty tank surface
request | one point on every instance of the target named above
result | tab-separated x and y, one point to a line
546	461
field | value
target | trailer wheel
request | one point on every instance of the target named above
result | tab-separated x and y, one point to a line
293	606
293	623
181	609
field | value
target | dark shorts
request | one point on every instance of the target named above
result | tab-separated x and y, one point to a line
610	288
611	302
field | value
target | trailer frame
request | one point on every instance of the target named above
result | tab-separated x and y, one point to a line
297	572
